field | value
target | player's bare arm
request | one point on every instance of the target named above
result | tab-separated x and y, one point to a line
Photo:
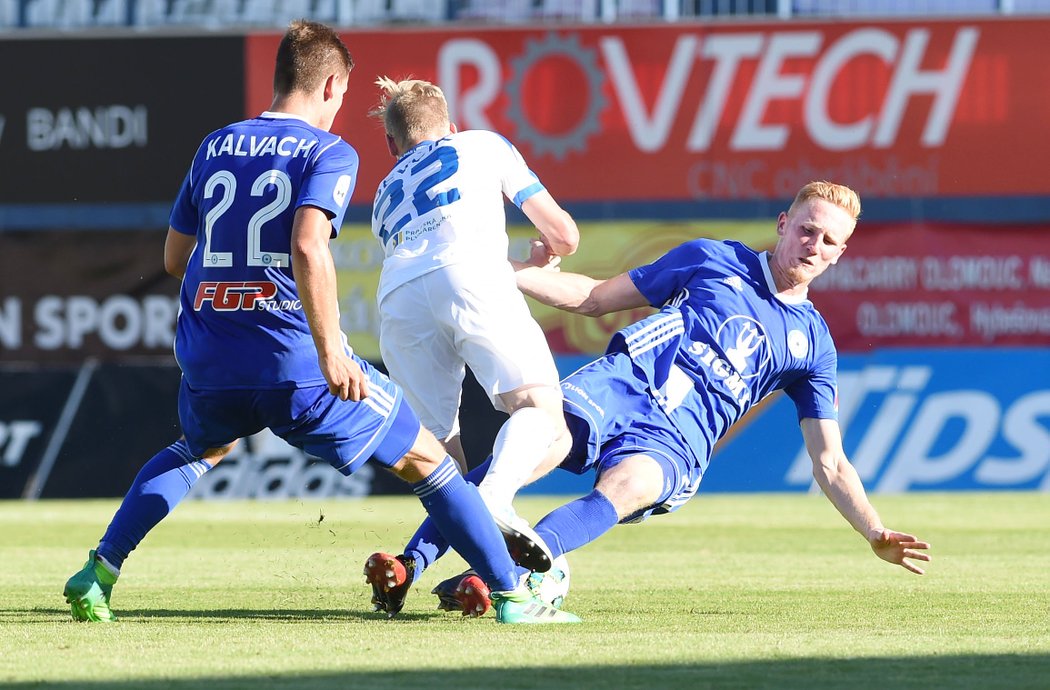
177	249
314	271
840	483
577	293
555	225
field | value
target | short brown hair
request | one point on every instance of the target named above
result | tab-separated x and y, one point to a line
308	53
410	109
840	195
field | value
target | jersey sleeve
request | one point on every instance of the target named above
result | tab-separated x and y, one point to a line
816	394
664	278
184	216
330	183
519	183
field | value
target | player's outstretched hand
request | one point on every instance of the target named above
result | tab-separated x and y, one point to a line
897	548
345	378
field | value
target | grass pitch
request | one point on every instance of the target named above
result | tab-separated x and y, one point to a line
730	592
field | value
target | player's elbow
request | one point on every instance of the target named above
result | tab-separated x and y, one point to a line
562	235
307	249
173	267
826	466
175	263
591	307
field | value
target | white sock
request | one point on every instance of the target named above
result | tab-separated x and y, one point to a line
521	445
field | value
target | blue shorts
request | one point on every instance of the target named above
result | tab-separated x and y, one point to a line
346	434
612	416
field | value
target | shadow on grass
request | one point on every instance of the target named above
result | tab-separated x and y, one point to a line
51	615
971	671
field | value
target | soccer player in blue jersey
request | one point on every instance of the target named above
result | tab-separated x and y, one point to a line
733	326
258	337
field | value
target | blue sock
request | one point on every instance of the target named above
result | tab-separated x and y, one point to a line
577	523
160	485
461	516
427	545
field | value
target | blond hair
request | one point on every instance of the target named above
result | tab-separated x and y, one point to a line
838	194
411	110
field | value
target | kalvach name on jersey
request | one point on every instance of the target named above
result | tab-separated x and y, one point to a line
723	340
241	323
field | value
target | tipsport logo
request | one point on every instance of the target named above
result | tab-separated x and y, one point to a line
248	295
917	427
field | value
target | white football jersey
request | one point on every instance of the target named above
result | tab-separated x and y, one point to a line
442	204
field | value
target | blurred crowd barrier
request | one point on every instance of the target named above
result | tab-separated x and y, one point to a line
218	14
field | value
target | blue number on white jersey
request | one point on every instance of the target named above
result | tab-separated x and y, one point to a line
443	204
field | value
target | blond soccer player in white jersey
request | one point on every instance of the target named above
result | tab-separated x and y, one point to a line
447	293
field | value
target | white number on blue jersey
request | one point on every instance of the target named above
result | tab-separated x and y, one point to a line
229	188
283	184
256	256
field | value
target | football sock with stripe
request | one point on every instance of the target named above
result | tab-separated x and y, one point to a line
460	515
427	545
160	485
577	523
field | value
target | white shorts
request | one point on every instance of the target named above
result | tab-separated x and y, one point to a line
434	325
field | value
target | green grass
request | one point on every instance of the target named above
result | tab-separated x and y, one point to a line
730	592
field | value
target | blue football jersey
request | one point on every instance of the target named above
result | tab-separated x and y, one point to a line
241	322
723	340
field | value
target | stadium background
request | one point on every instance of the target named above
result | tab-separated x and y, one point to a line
652	122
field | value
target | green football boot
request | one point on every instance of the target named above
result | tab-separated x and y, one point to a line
88	592
520	606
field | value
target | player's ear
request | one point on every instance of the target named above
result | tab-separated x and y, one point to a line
781	222
329	87
391	146
841	252
452	127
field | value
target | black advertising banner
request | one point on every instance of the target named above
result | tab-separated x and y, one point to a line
89	120
71	295
84	431
31	403
95	425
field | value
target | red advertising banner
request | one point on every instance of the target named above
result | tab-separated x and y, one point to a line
723	112
936	285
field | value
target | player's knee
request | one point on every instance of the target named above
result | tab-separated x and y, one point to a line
559	450
413	468
541	397
214	455
422	459
634	484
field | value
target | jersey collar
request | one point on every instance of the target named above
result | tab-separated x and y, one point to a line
282	116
